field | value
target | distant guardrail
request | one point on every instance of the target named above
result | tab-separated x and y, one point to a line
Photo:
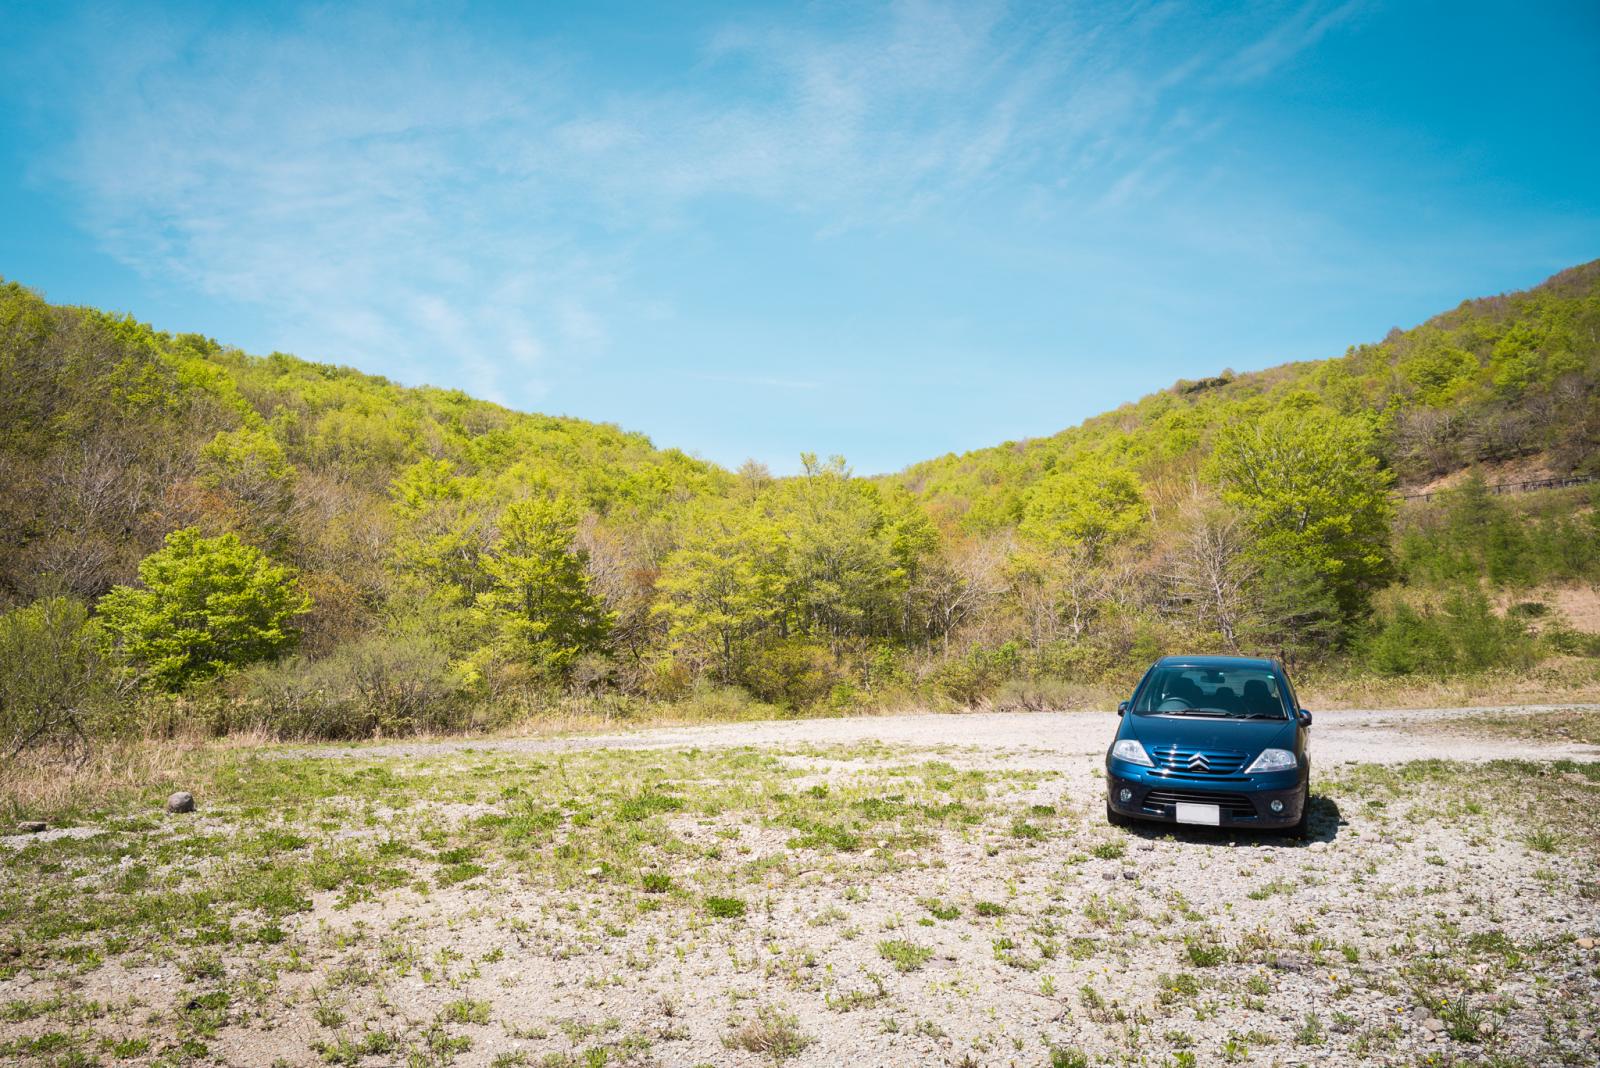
1516	487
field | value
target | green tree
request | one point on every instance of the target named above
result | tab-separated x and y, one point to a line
1438	370
207	606
723	586
538	603
1311	490
848	556
1090	505
248	471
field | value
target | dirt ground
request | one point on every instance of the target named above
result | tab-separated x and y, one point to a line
1373	735
907	890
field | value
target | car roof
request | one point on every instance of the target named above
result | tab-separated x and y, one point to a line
1219	663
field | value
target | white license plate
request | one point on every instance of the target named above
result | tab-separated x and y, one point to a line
1207	814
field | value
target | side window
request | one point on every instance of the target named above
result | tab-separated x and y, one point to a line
1288	692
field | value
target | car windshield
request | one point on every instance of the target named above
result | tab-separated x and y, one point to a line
1234	692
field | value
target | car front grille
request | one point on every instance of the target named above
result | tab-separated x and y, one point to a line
1187	760
1233	806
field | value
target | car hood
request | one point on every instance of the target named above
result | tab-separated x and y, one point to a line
1246	735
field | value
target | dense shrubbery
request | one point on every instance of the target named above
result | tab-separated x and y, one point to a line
381	685
1462	635
55	690
274	544
1470	534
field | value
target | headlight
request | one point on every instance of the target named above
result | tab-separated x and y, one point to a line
1131	751
1273	760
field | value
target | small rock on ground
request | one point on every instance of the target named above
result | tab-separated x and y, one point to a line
182	801
30	826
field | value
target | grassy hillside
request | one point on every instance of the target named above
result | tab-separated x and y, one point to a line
1493	380
196	538
113	434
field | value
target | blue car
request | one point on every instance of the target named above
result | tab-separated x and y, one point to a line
1216	741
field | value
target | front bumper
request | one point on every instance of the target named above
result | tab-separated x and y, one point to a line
1243	801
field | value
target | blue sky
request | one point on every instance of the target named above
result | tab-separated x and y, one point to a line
888	232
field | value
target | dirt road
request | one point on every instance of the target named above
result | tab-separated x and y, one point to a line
1034	738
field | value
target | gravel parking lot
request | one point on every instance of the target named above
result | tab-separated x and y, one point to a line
909	890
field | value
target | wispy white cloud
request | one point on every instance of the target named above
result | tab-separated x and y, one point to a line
1290	37
397	191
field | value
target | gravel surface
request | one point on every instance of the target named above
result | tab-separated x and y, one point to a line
1435	916
1369	736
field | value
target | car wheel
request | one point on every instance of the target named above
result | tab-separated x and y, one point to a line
1302	825
1115	818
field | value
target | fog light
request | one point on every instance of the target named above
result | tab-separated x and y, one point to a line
1277	806
1125	795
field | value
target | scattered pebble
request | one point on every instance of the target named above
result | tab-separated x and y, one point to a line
30	826
182	801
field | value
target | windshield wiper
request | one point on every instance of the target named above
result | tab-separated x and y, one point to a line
1212	712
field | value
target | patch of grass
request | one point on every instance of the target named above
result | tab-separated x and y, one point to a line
989	908
1203	953
647	804
1543	840
940	910
1176	987
1029	832
1112	850
465	1011
850	1000
724	908
816	833
345	1050
904	955
1068	1057
772	1032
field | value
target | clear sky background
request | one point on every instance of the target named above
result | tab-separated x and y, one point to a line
748	231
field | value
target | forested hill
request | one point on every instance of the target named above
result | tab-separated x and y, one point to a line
315	551
1495	379
113	434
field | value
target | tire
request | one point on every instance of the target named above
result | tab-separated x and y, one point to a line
1115	818
1301	827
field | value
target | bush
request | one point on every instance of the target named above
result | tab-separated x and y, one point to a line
380	685
975	676
1465	635
793	673
55	691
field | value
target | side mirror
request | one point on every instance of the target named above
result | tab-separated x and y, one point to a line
1305	717
1122	708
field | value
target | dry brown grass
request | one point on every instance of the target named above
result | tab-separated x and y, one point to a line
1581	725
114	774
1567	681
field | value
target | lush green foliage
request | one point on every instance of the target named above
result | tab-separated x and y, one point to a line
1464	634
537	604
437	556
53	689
1310	489
1470	533
205	606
